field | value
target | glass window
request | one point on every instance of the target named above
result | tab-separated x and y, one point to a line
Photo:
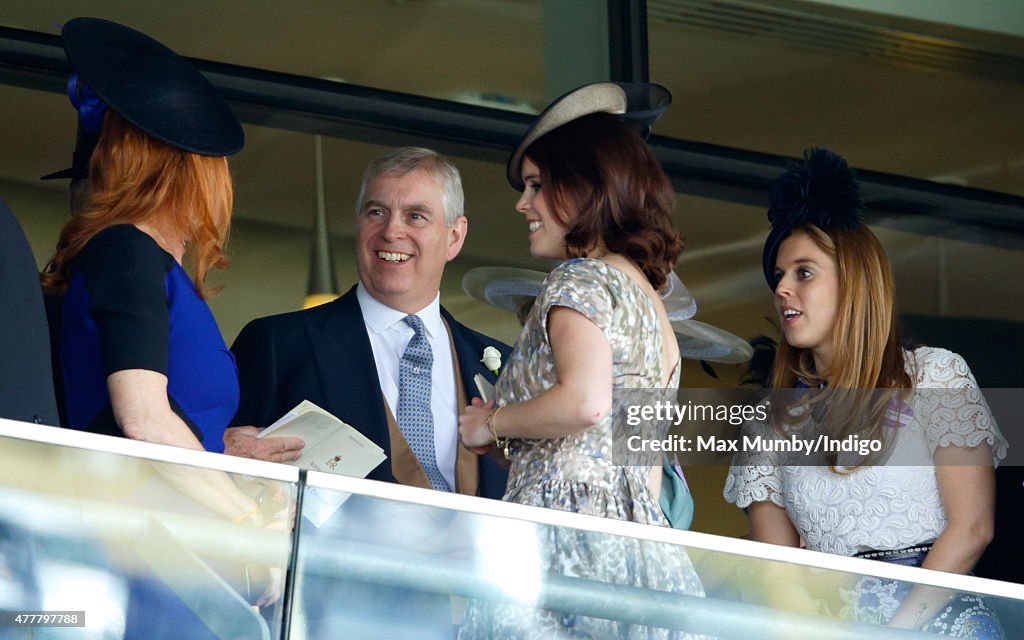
489	52
911	99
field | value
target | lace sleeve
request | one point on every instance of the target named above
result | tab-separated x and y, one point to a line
956	414
755	475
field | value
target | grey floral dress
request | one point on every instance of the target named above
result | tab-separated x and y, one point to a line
576	472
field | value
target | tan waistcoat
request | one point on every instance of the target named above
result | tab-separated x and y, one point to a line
407	470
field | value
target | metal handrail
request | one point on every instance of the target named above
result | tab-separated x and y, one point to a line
391	567
633	605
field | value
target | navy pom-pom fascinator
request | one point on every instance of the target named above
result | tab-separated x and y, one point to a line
821	190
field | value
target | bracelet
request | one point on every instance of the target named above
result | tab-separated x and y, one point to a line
246	516
503	443
489	423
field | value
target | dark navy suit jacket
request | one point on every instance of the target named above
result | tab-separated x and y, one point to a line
324	355
26	377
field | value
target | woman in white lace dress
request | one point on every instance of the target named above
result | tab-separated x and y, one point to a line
594	197
834	295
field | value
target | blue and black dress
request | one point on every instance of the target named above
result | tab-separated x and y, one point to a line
130	305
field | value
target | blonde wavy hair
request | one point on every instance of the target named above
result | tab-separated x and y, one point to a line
135	178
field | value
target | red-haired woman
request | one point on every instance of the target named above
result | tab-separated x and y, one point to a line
139	352
834	294
594	197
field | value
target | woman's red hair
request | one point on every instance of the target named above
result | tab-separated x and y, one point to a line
134	179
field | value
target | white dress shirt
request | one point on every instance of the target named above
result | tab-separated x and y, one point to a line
389	336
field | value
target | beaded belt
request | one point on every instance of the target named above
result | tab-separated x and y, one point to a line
911	556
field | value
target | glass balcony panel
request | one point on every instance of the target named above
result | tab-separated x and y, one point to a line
101	526
400	562
88	524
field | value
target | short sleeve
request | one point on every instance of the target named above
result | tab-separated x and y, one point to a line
582	285
755	475
953	410
124	271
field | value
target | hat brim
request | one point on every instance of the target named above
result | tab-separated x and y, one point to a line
702	341
152	87
771	252
63	173
506	288
640	104
679	303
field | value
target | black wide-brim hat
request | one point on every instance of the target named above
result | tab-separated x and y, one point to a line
638	104
150	86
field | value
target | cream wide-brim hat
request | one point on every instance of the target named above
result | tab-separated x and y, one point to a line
639	104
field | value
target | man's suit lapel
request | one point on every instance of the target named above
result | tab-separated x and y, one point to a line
347	373
469	352
469	359
351	390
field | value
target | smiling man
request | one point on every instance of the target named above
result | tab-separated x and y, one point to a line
385	357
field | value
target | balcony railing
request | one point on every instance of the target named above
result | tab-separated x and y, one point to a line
89	524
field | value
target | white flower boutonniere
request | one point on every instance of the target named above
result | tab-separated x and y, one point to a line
492	360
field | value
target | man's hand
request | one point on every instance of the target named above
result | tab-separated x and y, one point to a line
242	442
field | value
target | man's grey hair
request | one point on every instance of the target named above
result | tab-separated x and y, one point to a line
403	160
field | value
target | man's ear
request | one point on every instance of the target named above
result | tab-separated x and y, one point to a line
457	236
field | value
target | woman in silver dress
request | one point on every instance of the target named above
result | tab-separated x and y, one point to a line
595	198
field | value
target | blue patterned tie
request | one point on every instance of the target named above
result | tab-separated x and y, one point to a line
415	419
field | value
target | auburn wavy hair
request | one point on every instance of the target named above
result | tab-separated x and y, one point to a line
135	178
866	349
603	184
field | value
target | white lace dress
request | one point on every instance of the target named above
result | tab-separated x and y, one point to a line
877	507
882	507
